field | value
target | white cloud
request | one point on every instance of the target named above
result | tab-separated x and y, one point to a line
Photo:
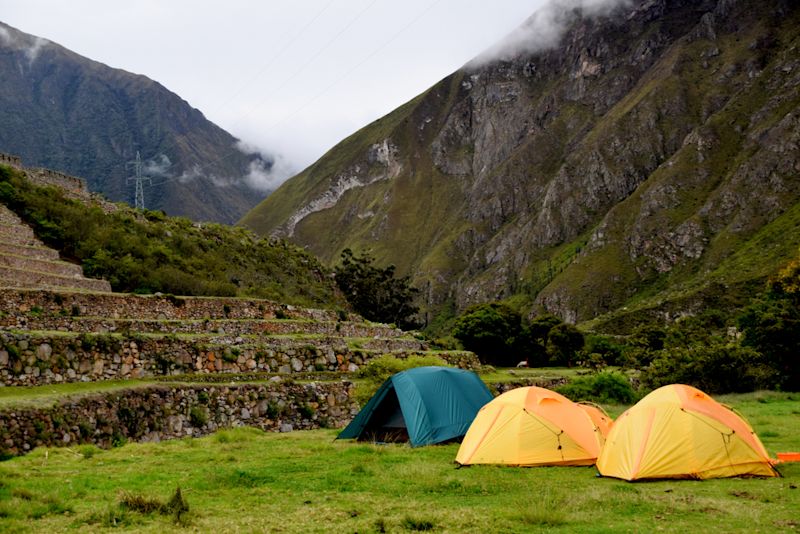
545	28
157	167
294	78
31	45
32	51
266	172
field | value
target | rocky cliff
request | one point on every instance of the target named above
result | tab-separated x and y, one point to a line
647	159
63	111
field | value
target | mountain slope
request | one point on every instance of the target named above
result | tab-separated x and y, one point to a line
629	167
63	111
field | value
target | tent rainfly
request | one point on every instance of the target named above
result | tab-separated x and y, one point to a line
533	426
424	405
678	431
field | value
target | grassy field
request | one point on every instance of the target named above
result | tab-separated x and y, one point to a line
244	480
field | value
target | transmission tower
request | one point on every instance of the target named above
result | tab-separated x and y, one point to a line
139	180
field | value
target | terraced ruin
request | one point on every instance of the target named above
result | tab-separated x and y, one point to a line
79	363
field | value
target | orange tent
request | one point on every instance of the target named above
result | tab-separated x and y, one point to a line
531	426
678	431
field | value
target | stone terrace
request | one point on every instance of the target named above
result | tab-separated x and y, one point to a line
51	337
57	326
26	262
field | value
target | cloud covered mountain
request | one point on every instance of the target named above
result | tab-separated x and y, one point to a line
640	159
65	112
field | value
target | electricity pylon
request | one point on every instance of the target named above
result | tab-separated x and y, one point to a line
139	179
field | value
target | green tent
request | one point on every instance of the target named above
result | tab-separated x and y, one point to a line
424	405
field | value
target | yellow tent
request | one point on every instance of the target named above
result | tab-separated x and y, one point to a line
678	431
531	426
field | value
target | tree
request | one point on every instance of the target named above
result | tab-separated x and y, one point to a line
536	334
492	331
376	293
771	326
564	341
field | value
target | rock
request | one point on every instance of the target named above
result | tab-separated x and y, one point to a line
23	344
251	364
3	358
284	369
245	414
286	427
297	365
44	351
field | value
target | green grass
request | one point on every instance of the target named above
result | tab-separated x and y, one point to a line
47	395
244	480
545	373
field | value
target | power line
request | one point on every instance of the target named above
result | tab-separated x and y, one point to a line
274	57
234	152
305	65
338	80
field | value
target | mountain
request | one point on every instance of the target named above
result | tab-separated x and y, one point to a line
62	111
643	164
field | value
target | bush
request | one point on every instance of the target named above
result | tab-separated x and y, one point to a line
493	331
606	387
377	371
714	368
607	348
198	416
772	327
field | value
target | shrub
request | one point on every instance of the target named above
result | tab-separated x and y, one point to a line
306	411
198	416
492	331
176	506
417	524
377	371
772	327
606	387
381	368
607	348
714	368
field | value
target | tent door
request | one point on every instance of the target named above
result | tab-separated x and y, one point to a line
387	423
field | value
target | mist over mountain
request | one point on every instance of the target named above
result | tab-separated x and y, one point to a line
641	159
65	112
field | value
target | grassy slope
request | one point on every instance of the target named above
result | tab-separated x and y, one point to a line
152	252
245	480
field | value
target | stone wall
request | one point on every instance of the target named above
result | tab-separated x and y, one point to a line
156	413
70	184
11	161
161	307
28	359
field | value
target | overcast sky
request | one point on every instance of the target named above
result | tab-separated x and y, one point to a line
290	78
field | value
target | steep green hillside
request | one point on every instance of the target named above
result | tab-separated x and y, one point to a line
150	252
645	162
63	111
